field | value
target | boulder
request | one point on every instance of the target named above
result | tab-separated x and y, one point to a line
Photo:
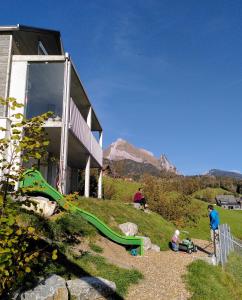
155	248
147	243
137	205
53	288
90	288
42	206
128	228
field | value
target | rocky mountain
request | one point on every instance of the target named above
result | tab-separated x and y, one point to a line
136	160
222	173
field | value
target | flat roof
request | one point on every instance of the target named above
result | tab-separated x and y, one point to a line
28	28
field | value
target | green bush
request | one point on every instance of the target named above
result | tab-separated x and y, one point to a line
171	205
70	225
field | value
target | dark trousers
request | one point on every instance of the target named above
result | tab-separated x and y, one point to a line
141	202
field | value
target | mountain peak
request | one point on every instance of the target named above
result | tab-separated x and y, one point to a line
223	173
122	150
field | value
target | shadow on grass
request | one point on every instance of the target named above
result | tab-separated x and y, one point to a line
204	249
71	270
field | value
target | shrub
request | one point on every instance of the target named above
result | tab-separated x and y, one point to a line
19	251
173	206
109	190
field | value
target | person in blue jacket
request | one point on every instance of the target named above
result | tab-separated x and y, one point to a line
214	223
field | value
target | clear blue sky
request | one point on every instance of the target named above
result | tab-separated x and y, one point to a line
164	75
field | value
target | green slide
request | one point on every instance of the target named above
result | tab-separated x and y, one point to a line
36	183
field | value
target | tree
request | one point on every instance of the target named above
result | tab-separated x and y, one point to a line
24	140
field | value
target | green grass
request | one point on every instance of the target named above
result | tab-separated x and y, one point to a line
210	193
113	213
211	282
234	266
124	191
96	265
230	217
95	248
70	264
119	189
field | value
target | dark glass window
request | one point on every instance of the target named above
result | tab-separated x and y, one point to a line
45	88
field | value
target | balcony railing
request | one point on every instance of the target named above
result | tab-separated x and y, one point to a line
81	130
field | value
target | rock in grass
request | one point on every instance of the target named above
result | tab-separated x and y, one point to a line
147	243
41	205
53	287
137	205
155	248
90	288
129	229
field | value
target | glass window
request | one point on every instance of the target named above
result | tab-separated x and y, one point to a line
45	88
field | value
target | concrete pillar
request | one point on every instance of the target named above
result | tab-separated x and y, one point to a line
65	129
87	177
100	181
89	118
101	139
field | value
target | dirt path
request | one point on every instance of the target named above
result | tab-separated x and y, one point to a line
163	271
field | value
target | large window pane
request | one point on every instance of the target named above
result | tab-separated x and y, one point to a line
45	88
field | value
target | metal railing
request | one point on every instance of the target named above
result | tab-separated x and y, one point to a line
81	130
226	244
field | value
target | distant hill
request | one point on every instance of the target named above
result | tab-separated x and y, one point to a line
127	160
222	173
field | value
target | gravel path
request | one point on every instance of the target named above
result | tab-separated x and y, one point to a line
163	271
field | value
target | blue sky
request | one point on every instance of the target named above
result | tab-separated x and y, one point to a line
164	75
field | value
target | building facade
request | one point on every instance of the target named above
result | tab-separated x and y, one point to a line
35	70
229	202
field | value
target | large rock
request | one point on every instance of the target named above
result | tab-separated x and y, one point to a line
90	288
53	288
155	248
137	205
128	228
42	206
147	243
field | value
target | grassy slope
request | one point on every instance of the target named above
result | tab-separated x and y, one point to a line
232	218
211	282
61	229
213	192
114	213
122	190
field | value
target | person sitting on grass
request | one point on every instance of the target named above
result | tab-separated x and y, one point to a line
175	241
139	198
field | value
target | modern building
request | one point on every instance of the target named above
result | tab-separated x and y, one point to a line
36	71
229	202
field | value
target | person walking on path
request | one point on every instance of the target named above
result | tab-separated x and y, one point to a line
214	223
139	198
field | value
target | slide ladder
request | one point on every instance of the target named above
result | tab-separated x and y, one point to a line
33	180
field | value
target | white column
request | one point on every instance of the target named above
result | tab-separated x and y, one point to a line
100	181
101	139
65	129
87	177
89	118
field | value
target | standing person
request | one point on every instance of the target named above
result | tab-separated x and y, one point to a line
214	223
139	198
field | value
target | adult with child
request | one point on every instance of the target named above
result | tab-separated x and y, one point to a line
139	198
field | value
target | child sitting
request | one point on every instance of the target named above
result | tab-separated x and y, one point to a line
175	241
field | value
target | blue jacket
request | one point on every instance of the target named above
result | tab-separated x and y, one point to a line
214	219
